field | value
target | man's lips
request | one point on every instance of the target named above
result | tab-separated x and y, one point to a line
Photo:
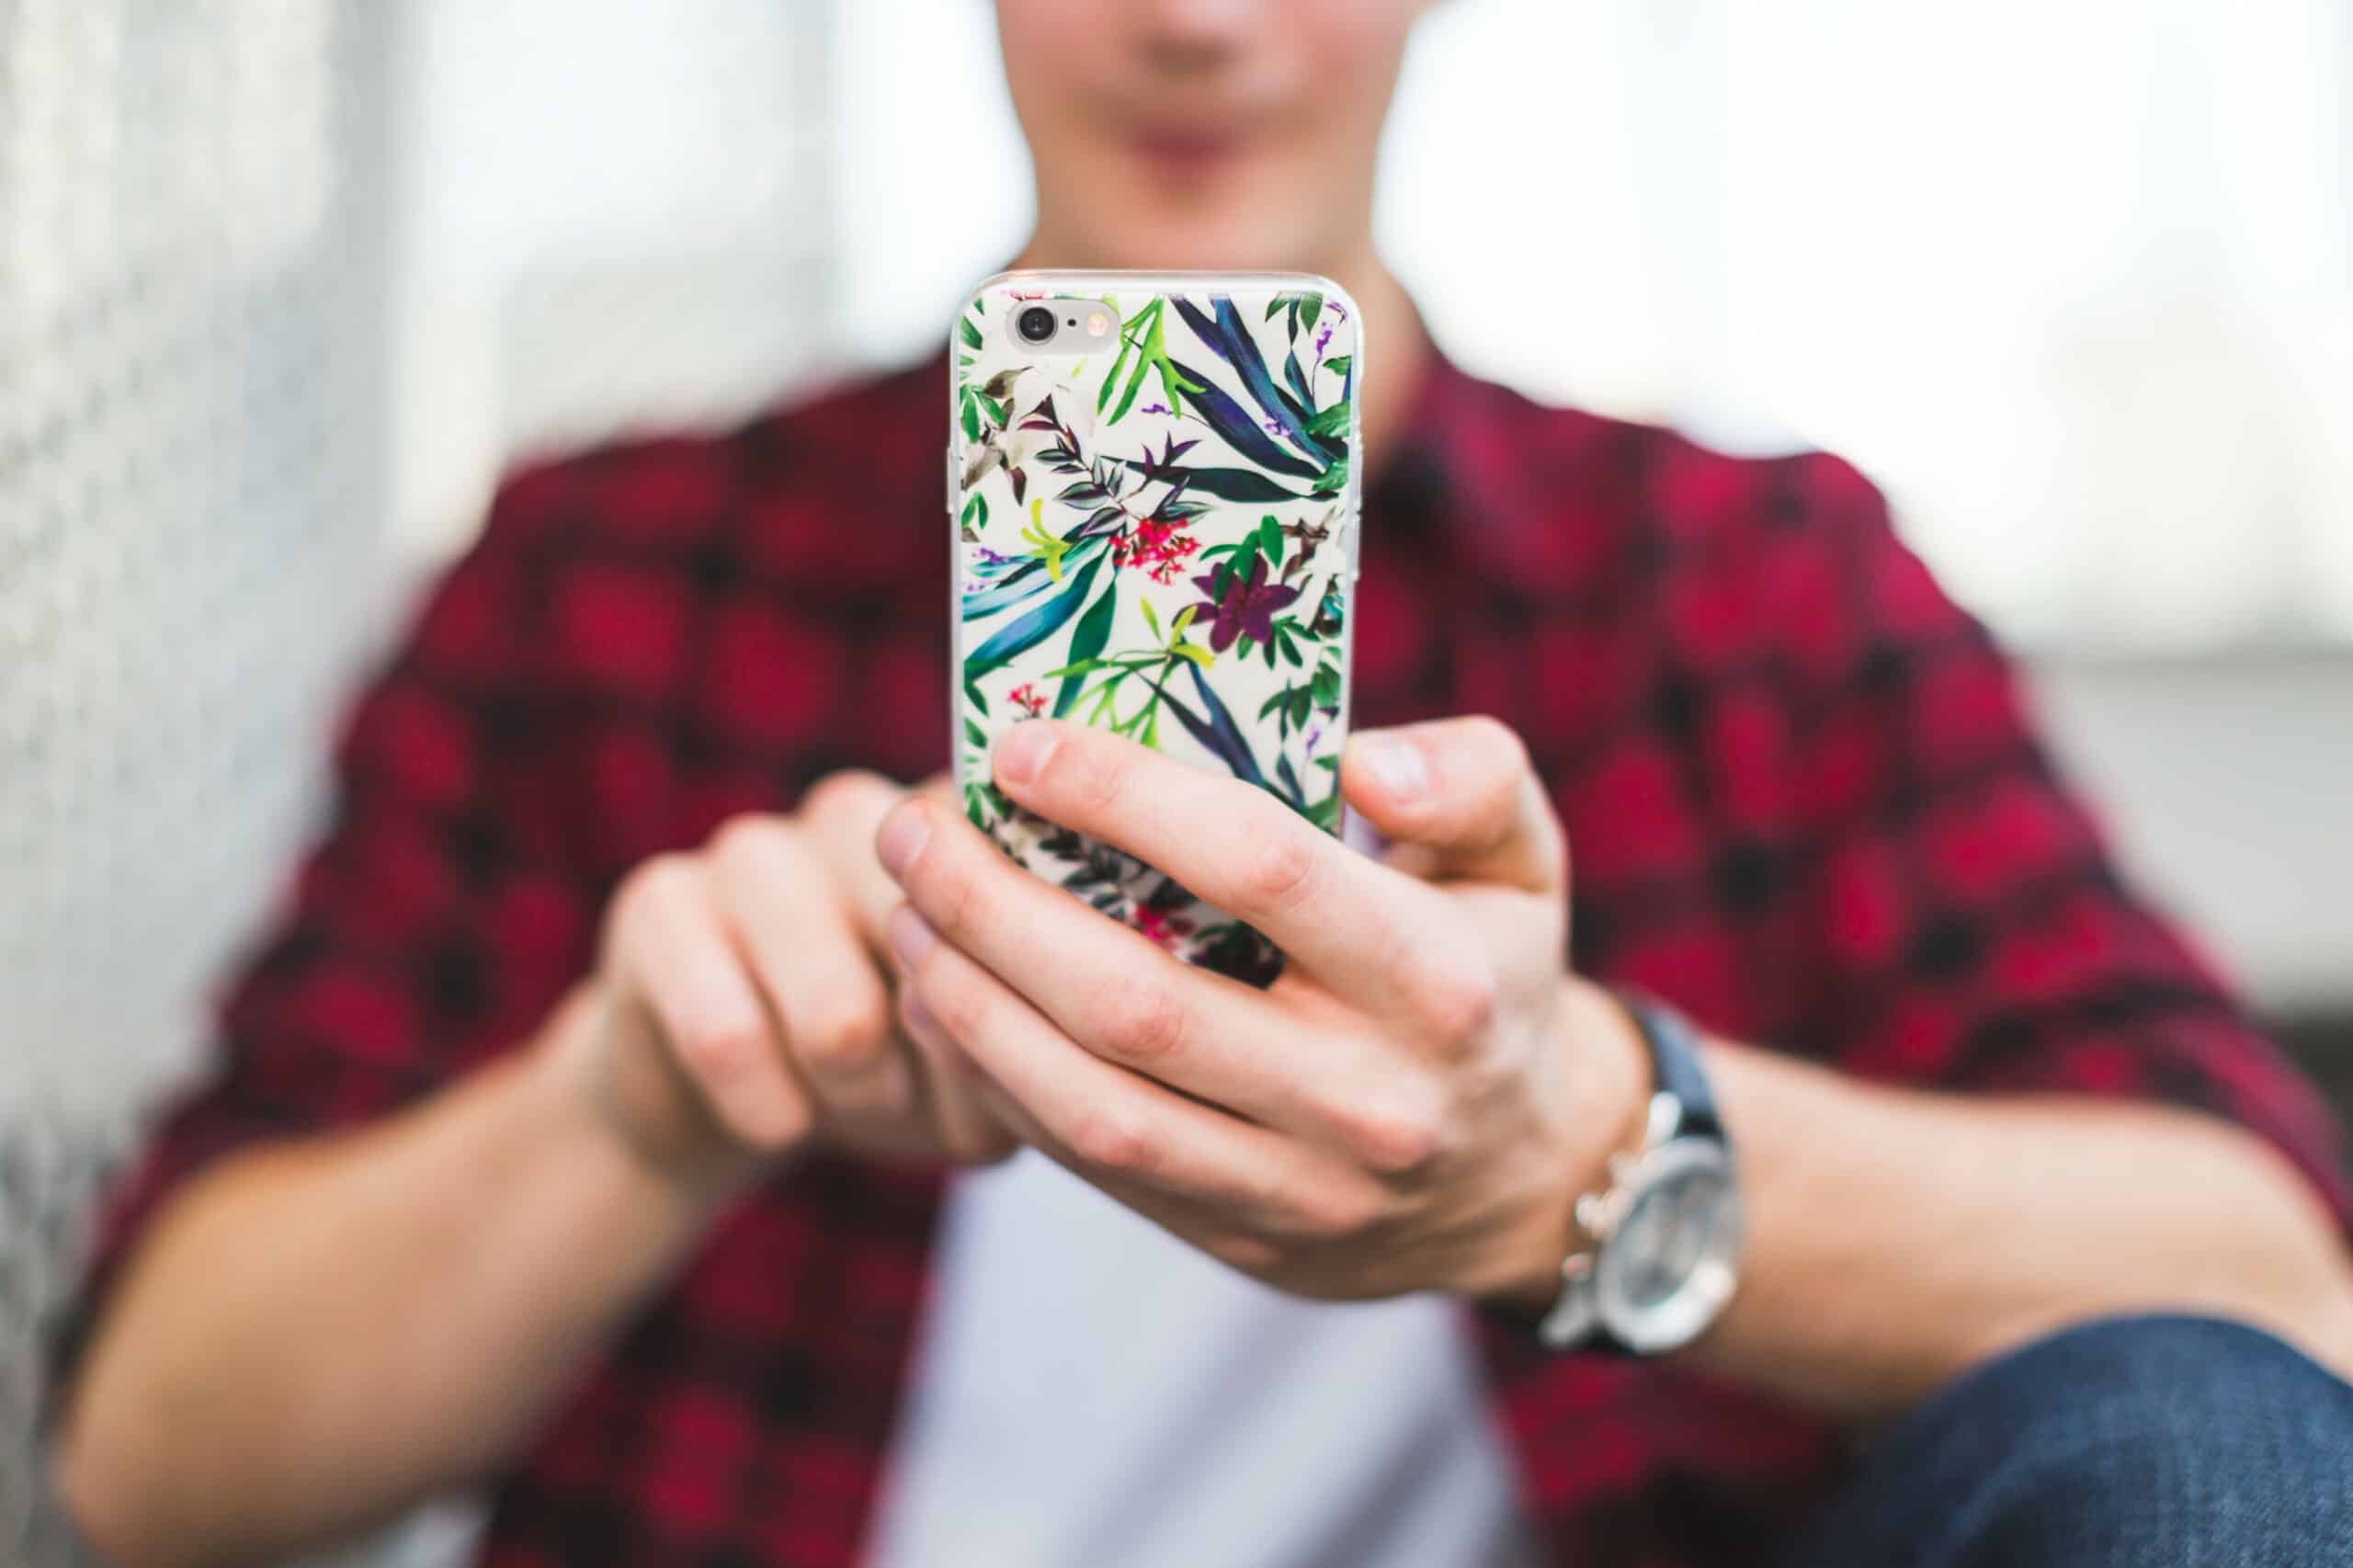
1187	153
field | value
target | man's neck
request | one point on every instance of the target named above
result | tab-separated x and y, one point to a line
1399	344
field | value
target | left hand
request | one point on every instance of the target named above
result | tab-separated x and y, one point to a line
1413	1104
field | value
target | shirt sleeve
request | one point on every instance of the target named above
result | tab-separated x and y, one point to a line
432	924
1973	930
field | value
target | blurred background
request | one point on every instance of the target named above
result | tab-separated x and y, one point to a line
286	284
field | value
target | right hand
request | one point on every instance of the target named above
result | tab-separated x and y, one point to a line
742	1008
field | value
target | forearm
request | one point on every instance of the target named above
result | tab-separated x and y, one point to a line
1896	1237
317	1333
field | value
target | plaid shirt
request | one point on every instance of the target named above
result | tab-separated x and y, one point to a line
1805	801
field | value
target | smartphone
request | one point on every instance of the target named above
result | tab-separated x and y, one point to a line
1152	491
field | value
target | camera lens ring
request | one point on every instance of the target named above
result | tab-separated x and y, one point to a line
1035	324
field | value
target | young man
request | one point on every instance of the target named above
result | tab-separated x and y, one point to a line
586	1127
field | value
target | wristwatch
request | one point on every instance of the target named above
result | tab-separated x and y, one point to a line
1658	1249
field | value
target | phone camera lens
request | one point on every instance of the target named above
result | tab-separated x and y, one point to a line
1035	324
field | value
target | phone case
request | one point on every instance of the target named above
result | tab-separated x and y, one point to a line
1159	539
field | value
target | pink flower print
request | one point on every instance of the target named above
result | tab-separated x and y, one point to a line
1158	546
1162	928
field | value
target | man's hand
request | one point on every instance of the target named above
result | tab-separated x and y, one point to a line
741	1007
481	1246
1413	1104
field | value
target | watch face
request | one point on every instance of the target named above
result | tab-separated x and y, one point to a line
1668	1233
1668	1266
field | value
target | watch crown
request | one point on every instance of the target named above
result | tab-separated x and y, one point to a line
1666	1114
1593	1214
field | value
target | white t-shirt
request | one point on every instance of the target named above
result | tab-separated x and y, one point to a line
1090	1392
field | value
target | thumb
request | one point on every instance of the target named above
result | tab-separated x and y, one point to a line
1460	801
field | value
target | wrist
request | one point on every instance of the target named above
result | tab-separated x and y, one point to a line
1609	1072
580	1070
1619	1068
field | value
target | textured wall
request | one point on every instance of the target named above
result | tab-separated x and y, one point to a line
283	285
188	534
188	511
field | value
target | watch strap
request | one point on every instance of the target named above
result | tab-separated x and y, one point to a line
1673	1047
1599	1341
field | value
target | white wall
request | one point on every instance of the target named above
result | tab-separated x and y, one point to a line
2229	784
606	214
2074	282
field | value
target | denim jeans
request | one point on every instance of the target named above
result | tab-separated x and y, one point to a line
2152	1442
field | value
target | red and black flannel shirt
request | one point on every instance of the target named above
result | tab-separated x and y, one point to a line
1804	800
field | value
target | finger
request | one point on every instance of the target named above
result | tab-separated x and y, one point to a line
960	1114
1115	1124
800	936
842	813
673	952
1218	1232
1121	996
1351	921
1463	791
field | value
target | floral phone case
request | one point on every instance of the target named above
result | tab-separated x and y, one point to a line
1159	539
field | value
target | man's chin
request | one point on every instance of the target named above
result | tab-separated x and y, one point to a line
1208	244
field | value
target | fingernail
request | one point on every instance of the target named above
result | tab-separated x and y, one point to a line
911	935
1396	763
902	838
1020	753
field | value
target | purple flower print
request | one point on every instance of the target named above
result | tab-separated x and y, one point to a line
1323	341
1315	727
1249	607
1156	408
